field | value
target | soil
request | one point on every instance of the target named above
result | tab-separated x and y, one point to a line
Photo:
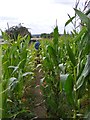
39	104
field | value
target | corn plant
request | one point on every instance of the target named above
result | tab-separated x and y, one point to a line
79	53
16	73
66	69
51	84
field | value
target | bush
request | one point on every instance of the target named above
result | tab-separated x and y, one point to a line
14	31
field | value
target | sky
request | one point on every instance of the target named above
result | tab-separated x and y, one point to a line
37	15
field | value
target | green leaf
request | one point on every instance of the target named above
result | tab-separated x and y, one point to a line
71	55
52	54
27	73
69	89
15	68
84	74
56	35
4	35
82	16
68	84
83	31
55	39
88	42
62	67
63	78
51	51
47	64
12	80
70	20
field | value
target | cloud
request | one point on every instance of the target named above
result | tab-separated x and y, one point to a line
39	15
10	20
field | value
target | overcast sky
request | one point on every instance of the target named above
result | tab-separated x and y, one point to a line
38	15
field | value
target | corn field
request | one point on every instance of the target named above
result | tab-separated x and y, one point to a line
64	62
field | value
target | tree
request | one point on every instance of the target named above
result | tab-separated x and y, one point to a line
14	31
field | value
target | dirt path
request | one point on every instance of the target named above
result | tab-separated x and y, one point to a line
39	107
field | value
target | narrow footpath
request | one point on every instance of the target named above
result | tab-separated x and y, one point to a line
39	106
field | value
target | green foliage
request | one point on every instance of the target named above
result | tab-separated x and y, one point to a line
65	64
71	54
45	35
85	73
69	89
14	31
53	88
82	16
16	74
69	21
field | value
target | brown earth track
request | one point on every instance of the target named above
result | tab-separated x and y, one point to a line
39	106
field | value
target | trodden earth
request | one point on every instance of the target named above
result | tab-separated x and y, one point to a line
39	104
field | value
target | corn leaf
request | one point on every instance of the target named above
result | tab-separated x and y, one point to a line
71	55
52	54
83	31
69	21
55	40
82	16
68	86
27	73
84	74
